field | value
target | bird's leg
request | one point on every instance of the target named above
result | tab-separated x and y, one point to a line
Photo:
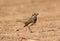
30	29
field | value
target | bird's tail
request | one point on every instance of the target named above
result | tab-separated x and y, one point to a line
26	24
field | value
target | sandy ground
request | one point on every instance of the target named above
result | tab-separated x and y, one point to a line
47	27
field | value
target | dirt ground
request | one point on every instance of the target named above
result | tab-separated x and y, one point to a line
47	27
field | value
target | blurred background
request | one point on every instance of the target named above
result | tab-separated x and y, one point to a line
47	27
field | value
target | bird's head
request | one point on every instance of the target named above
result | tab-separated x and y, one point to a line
35	14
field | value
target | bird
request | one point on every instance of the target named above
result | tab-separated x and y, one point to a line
32	20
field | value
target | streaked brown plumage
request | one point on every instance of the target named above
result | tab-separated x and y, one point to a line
32	20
